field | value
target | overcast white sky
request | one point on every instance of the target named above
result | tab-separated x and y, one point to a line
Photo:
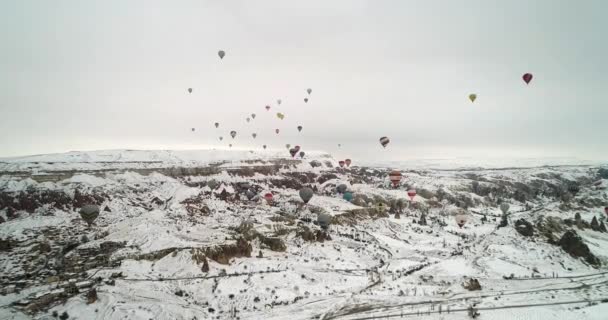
85	75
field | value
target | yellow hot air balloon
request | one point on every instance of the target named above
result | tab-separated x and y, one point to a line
472	97
280	115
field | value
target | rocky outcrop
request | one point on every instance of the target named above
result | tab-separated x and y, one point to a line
222	254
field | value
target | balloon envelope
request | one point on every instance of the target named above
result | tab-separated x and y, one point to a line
297	148
384	141
254	135
306	100
299	128
277	131
348	196
293	152
341	163
253	116
221	53
264	146
287	146
527	77
221	138
324	220
309	90
341	188
306	194
279	101
348	162
217	124
189	90
472	97
268	197
411	193
302	154
233	134
395	177
267	108
461	219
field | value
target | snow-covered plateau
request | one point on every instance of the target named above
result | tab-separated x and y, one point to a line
193	235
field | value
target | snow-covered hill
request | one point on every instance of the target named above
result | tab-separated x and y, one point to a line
204	244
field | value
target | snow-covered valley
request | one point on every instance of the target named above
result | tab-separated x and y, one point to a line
190	235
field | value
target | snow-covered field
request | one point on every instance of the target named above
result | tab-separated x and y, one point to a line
375	265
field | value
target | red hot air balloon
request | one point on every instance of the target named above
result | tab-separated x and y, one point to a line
341	163
461	219
395	177
411	193
268	197
527	77
297	148
348	162
606	210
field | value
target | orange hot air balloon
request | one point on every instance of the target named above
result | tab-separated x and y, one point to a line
395	177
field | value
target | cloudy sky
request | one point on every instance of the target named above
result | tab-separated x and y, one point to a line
85	75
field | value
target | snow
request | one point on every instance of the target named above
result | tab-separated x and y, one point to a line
372	268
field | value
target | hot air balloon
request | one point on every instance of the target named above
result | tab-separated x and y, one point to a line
461	218
297	148
411	193
254	135
189	90
395	177
267	108
276	130
221	138
279	101
384	141
293	152
306	194
309	90
302	154
305	100
348	196
230	145
193	129
504	207
341	163
221	53
249	194
217	124
288	146
89	213
264	146
606	210
248	119
299	128
280	115
527	77
268	197
341	188
253	116
339	145
233	134
472	97
348	162
324	220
